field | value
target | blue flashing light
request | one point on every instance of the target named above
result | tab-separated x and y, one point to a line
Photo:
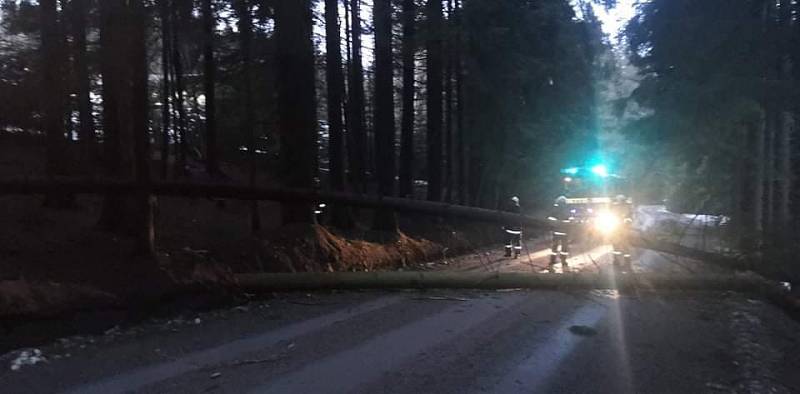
600	170
571	170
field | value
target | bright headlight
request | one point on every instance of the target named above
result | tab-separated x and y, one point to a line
606	222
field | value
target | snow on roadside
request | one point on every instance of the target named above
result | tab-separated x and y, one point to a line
27	357
65	347
657	217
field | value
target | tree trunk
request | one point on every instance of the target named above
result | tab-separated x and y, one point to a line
407	132
784	141
752	185
166	114
757	138
448	99
434	99
385	220
245	17
335	81
112	79
357	141
177	65
83	83
307	281
209	80
297	120
52	99
335	84
461	151
785	125
120	90
145	231
769	166
348	123
279	194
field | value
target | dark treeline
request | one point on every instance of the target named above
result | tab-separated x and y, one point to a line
724	97
462	101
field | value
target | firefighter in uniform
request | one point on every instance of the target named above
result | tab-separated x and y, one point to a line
622	209
560	246
513	232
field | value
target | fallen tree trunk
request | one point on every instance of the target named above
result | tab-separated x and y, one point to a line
263	282
401	205
193	190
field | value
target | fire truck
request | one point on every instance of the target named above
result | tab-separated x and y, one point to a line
590	192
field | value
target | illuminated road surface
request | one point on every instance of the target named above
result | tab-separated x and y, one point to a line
449	342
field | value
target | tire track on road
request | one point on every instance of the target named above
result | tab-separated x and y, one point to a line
346	371
141	377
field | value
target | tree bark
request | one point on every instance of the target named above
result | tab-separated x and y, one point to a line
385	220
121	122
448	99
769	167
348	123
461	151
335	85
785	139
245	17
357	141
83	83
296	102
757	138
335	82
407	127
785	124
209	81
434	99
177	64
166	114
52	98
112	80
141	133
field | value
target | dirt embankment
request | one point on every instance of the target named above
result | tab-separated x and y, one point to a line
316	248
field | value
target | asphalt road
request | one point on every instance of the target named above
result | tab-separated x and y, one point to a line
451	342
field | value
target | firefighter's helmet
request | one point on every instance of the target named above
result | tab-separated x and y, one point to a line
515	199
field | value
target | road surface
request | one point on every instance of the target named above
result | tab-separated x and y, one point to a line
449	342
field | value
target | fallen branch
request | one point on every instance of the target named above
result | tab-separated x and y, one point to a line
270	359
310	303
438	298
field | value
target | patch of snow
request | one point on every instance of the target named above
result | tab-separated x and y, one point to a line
27	357
653	217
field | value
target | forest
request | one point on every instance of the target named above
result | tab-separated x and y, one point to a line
462	102
376	98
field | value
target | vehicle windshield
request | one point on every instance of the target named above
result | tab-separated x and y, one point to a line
585	184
